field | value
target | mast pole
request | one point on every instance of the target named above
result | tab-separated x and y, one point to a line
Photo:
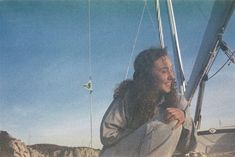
197	116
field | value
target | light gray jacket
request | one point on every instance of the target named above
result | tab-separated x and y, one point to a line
114	126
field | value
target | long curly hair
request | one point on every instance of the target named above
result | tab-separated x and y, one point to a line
142	94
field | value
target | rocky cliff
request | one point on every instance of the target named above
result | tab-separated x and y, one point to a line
12	147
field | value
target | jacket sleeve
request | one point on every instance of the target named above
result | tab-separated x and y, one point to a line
188	136
114	123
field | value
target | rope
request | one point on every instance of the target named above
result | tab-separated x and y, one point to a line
160	30
220	68
136	37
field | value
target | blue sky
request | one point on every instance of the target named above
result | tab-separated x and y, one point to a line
44	63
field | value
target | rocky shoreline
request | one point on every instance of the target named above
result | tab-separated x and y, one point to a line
12	147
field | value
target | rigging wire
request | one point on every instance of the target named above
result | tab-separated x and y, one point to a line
89	37
221	66
90	70
151	18
136	37
176	48
228	52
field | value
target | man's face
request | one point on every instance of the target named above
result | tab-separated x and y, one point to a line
163	74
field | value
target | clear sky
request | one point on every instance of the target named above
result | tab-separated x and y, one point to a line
44	63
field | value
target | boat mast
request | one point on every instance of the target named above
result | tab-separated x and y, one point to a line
211	43
197	116
220	15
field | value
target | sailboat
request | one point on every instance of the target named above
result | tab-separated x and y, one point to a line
213	141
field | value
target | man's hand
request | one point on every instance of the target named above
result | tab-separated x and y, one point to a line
175	114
